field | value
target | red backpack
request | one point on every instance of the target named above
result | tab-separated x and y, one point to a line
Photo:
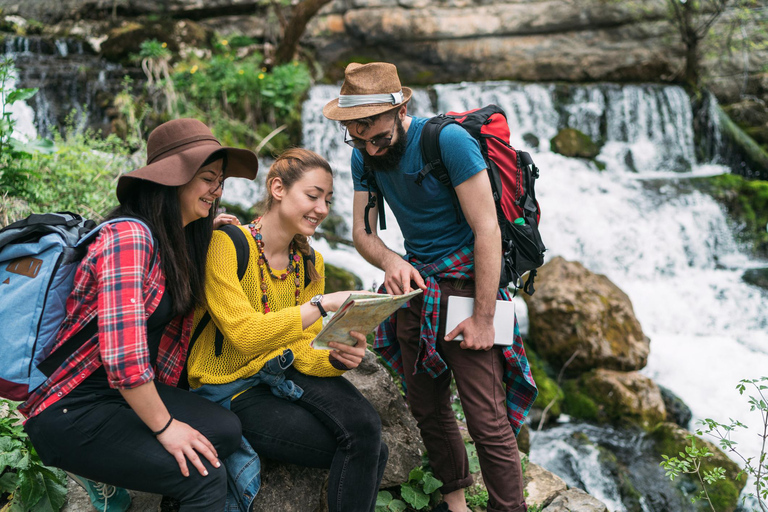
512	174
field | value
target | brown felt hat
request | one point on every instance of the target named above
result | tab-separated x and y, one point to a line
368	90
175	152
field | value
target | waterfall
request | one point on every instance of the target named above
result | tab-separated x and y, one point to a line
640	222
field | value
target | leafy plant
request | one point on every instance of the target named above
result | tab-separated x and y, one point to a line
415	494
15	171
30	484
690	462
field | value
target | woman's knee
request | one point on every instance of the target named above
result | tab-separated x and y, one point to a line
228	435
366	425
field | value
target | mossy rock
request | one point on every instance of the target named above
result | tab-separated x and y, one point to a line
670	439
746	201
574	143
124	42
577	404
549	391
338	279
757	277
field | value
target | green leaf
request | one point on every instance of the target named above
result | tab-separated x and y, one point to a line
30	488
383	498
414	497
397	506
8	482
20	95
416	475
54	493
431	484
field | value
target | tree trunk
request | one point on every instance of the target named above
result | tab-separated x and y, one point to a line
302	13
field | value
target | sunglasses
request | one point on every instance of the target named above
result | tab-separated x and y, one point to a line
380	141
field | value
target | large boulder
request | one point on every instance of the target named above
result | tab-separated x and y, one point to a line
541	486
575	500
574	143
618	397
581	315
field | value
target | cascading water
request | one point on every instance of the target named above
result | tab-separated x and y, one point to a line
639	222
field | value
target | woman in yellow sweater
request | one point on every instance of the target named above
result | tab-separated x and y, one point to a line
256	358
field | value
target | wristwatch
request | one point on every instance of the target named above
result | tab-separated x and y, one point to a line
316	301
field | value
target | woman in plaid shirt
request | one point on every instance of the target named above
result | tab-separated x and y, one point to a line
111	411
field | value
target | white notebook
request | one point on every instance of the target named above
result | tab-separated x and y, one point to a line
460	308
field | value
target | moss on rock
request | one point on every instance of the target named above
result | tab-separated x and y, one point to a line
574	143
337	279
746	202
577	404
549	391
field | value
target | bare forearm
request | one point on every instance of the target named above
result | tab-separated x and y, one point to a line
147	404
373	249
487	270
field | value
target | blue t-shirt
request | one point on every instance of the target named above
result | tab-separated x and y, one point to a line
425	213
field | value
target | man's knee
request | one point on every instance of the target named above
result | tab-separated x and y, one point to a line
229	432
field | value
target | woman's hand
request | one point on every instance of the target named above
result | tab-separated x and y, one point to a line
184	442
349	356
333	301
225	218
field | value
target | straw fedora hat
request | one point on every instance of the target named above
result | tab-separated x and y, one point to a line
368	90
175	152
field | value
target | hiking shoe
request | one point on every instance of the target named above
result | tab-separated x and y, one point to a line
104	497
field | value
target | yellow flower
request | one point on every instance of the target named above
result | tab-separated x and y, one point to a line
240	72
224	42
164	45
194	69
295	63
261	76
263	70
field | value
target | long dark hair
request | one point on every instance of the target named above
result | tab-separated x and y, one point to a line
290	167
182	249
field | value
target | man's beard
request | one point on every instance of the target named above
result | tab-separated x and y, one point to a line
390	160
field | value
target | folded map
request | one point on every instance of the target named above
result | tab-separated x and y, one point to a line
361	312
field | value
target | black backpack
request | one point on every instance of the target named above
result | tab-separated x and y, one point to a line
513	175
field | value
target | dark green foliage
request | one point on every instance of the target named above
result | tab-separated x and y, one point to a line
31	486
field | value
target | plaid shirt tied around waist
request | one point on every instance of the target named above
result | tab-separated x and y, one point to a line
520	388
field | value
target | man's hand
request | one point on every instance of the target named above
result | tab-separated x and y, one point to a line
478	333
398	275
184	442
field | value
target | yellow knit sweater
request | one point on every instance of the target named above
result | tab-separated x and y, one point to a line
251	337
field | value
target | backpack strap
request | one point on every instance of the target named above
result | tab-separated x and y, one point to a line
374	197
242	250
430	153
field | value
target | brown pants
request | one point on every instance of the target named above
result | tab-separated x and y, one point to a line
478	376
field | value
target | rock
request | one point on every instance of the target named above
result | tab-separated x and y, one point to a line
757	277
621	397
337	279
400	431
573	143
291	488
123	42
677	411
575	500
541	486
577	312
670	439
78	500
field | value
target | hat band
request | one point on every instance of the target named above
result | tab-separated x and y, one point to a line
356	100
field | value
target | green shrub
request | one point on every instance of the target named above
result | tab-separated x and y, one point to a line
29	484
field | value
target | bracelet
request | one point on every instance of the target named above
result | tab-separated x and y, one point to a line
164	428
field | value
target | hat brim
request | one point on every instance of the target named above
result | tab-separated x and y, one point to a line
179	169
334	112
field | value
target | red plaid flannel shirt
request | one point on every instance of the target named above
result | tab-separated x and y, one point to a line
118	281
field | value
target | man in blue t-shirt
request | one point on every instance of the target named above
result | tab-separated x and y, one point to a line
445	258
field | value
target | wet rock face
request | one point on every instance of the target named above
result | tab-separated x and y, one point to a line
624	397
575	311
573	143
677	411
542	486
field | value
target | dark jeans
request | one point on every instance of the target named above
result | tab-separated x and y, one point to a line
478	376
331	426
104	440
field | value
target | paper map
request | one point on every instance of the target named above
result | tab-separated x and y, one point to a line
362	312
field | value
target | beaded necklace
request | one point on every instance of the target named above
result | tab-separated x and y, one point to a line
293	264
